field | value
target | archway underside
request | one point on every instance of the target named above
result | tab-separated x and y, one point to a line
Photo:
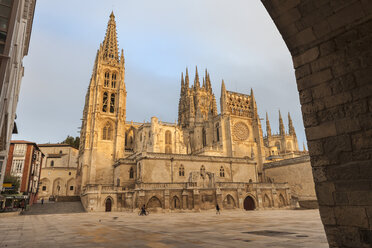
331	46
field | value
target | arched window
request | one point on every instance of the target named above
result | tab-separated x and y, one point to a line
107	79
218	132
222	172
168	137
106	132
113	80
112	103
277	144
52	163
181	171
204	137
131	172
202	170
104	102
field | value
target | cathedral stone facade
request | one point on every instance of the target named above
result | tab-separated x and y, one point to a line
204	159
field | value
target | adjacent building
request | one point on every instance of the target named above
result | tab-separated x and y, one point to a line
16	17
58	171
24	161
204	159
297	172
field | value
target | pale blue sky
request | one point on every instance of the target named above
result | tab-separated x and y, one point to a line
235	39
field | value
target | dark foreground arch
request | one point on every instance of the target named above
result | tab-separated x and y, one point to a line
331	46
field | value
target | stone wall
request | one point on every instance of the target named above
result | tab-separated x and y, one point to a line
296	172
330	42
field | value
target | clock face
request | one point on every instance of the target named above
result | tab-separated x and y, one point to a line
240	131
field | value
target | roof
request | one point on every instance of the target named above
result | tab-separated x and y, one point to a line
22	142
57	144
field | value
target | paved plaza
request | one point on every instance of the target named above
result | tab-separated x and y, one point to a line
275	228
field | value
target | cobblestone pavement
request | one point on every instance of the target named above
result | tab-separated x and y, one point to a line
276	228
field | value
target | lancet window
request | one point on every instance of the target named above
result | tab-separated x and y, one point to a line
104	102
222	172
181	171
113	80
107	132
112	103
131	172
107	79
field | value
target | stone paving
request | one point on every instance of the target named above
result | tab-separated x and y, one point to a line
276	228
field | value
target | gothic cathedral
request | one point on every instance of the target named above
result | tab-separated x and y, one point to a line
204	159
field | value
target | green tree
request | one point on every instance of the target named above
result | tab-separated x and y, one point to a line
74	142
14	181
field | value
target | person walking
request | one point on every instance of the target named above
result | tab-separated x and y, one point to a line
218	209
143	210
42	201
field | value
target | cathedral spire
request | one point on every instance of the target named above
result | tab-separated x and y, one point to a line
182	83
196	81
281	125
187	82
268	127
223	98
110	43
290	125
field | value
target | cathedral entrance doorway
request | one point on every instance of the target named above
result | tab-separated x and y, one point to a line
249	203
108	205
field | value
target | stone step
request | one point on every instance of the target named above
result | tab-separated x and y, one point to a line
55	208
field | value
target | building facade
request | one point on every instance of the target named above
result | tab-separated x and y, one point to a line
24	161
204	159
58	171
16	17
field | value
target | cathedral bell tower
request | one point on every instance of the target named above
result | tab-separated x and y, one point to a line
104	113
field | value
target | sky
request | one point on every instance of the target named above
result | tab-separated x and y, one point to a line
236	40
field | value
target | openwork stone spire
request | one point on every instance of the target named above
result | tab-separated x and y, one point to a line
290	125
268	127
110	43
281	125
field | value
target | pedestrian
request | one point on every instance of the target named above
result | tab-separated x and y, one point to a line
42	201
217	209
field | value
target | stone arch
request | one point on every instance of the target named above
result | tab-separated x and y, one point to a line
129	138
59	187
108	204
176	203
267	201
107	131
71	187
277	144
332	116
249	202
282	202
154	202
229	202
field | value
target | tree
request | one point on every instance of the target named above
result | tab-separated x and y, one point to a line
14	181
74	142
